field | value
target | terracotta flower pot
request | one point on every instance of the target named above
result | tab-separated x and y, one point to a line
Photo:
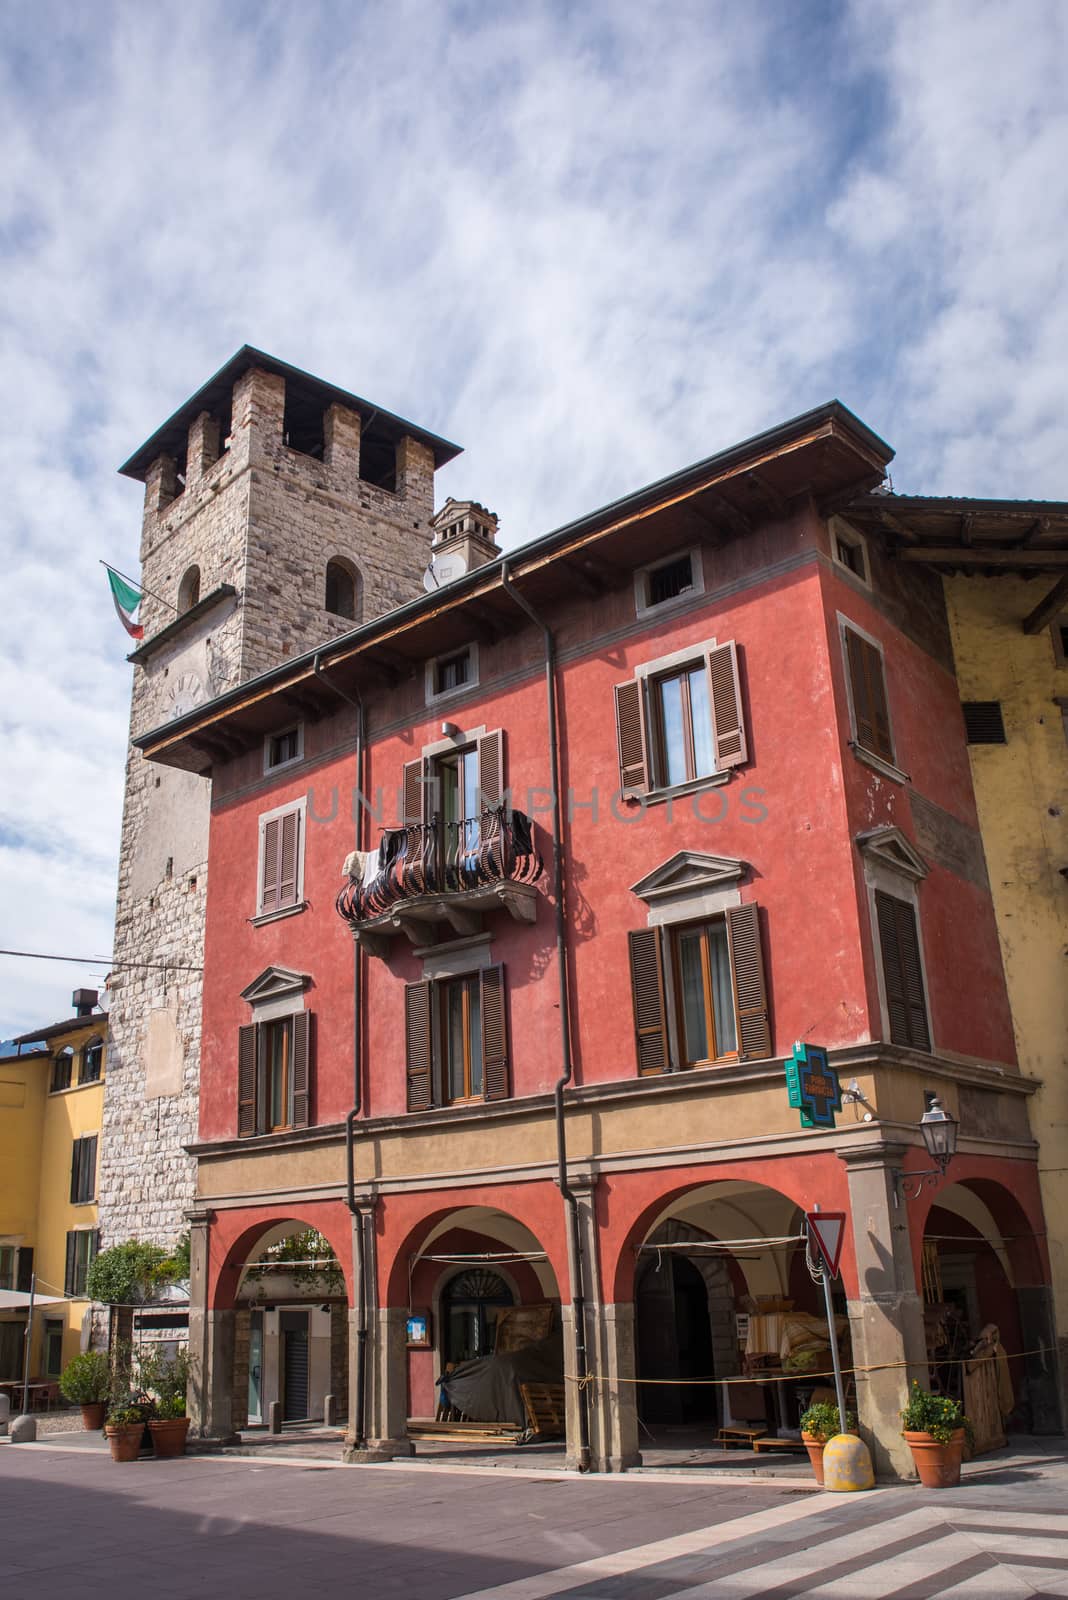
814	1445
93	1415
168	1436
937	1464
125	1442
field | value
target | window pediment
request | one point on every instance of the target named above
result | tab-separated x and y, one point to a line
275	983
689	872
893	849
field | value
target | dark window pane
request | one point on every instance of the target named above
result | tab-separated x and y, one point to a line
673	578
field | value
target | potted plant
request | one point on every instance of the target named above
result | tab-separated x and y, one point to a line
86	1382
935	1429
818	1424
126	1426
168	1378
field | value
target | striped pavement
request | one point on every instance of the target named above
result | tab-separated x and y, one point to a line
830	1548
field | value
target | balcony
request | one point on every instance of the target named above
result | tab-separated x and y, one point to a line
438	876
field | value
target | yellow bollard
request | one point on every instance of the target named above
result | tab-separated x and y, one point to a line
847	1464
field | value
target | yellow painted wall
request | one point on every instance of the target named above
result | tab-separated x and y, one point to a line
1021	789
36	1148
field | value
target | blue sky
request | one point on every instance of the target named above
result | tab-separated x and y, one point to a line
589	242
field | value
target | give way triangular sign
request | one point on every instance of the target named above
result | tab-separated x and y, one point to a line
827	1230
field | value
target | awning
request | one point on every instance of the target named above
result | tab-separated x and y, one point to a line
19	1300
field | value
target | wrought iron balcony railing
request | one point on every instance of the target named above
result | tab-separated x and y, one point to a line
435	871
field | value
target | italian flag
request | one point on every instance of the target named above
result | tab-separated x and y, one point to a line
127	603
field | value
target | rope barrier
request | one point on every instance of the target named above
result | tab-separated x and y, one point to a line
806	1377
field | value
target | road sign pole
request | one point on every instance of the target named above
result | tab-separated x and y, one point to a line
834	1351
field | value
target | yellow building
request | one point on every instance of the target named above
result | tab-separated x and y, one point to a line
1005	575
51	1110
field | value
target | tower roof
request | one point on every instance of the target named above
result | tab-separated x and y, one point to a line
214	395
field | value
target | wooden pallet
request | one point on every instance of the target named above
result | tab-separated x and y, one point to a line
740	1435
796	1445
546	1406
463	1432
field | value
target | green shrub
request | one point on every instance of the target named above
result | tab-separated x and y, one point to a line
126	1410
822	1421
935	1414
86	1380
168	1379
122	1275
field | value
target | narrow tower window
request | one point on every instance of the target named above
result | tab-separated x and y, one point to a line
189	589
344	595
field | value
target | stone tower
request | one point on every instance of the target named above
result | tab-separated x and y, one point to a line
278	512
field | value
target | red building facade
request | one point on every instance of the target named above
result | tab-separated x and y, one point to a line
616	818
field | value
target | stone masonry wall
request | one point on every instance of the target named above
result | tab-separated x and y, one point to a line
265	519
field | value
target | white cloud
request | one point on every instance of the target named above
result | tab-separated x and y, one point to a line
590	243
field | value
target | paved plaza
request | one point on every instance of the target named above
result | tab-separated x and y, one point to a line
75	1523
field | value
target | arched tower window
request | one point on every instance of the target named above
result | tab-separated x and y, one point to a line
344	590
189	589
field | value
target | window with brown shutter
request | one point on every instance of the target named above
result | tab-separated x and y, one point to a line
281	860
83	1171
491	769
274	1075
681	724
720	1008
416	799
456	1040
867	681
899	944
647	997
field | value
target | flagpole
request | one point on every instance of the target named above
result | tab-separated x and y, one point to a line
137	585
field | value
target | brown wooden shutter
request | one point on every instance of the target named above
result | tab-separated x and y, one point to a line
747	976
494	1035
631	737
289	856
902	972
491	769
420	1057
75	1171
71	1265
647	995
728	723
89	1169
870	711
247	1121
301	1060
272	836
416	797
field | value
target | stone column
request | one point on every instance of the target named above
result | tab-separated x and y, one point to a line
211	1343
611	1406
161	484
886	1318
258	417
341	437
203	448
387	1423
415	473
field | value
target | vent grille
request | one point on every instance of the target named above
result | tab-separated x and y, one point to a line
983	722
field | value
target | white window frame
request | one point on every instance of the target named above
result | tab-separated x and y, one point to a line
643	607
839	528
435	697
647	673
291	761
261	916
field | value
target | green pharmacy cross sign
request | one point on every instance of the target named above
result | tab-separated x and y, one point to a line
813	1086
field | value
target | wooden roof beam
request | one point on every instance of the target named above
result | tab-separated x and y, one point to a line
1034	532
897	526
1047	609
956	555
768	496
737	520
709	530
589	582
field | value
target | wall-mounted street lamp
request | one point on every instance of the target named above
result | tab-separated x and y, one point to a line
939	1131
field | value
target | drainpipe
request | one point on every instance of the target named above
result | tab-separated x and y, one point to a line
359	1399
574	1238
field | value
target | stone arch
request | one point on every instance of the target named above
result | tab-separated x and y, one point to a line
720	1286
189	589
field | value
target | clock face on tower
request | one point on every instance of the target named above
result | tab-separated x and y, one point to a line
185	694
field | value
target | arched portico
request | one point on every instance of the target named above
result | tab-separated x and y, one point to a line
269	1315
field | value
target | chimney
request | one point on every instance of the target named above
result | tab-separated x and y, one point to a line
465	537
83	1001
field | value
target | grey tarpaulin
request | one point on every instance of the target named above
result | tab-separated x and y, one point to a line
487	1389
